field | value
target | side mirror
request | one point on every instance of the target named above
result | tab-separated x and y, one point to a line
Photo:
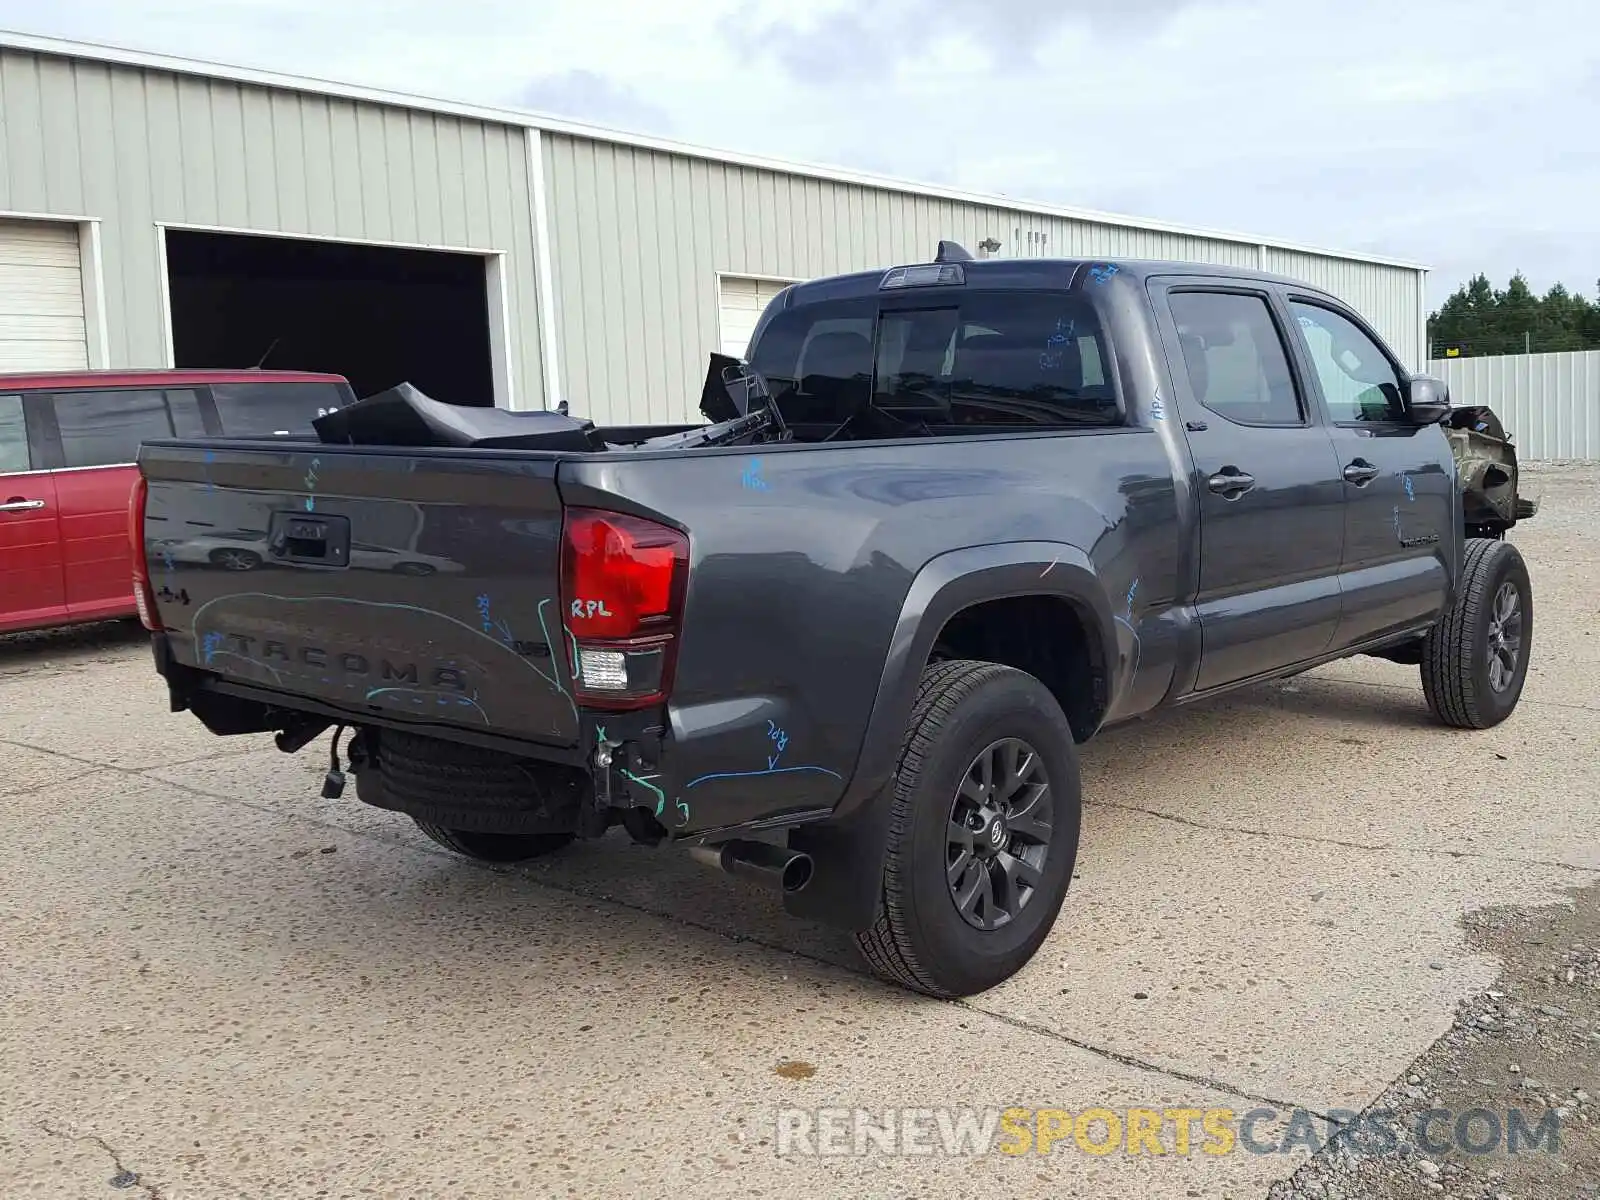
1429	400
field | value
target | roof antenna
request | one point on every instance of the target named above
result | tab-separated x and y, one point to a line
268	354
952	252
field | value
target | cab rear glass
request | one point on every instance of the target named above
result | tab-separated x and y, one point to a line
971	361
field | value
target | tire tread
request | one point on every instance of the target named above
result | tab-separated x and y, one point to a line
1447	665
885	944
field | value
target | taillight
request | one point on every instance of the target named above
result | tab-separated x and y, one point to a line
622	585
144	597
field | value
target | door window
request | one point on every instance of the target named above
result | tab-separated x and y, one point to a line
13	435
1235	358
1359	382
106	428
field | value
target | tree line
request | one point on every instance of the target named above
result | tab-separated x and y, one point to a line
1479	319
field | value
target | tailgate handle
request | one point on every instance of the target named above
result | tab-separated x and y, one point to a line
301	538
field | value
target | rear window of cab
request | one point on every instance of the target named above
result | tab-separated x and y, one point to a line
974	362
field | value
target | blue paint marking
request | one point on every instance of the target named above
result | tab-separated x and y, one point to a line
1054	358
768	771
1398	536
214	651
1126	622
209	458
311	484
421	696
1411	488
780	739
1158	410
492	625
210	645
1103	272
751	478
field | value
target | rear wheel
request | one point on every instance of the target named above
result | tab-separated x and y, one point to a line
983	834
495	847
1475	660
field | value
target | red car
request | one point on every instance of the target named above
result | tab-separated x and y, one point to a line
67	447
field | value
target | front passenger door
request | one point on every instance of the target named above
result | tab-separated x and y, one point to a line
1399	480
1271	500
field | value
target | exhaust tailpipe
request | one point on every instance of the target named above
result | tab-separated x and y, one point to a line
789	870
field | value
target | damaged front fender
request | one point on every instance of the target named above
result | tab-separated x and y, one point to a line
1486	470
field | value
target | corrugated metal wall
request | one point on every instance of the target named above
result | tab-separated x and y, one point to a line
1550	403
135	147
639	236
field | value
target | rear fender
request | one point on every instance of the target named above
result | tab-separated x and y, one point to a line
848	848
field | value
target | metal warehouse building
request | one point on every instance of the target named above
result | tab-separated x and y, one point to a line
158	212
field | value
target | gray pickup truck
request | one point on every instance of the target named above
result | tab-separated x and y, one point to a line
846	641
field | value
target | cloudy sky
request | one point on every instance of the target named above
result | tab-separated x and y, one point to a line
1461	133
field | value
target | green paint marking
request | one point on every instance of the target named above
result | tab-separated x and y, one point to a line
646	783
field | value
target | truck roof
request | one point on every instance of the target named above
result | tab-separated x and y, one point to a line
158	377
1023	273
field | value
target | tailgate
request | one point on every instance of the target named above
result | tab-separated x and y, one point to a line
417	584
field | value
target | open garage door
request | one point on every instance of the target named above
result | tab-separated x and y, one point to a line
41	297
377	315
740	304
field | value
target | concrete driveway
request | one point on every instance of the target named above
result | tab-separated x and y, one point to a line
217	984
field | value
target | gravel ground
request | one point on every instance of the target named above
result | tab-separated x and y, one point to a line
1528	1045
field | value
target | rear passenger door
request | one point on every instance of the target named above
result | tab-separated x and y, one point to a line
1270	497
1398	478
98	434
31	587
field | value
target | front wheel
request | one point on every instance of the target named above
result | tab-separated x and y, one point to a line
230	559
983	837
1475	660
495	847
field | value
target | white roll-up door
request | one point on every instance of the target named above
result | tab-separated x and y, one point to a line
739	308
41	297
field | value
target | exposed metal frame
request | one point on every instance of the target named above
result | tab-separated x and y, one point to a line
146	60
91	280
496	288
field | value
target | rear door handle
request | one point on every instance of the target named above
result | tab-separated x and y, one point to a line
18	504
1231	483
1360	472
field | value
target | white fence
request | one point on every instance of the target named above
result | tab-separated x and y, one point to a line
1550	403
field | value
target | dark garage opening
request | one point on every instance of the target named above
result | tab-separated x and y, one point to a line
376	315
